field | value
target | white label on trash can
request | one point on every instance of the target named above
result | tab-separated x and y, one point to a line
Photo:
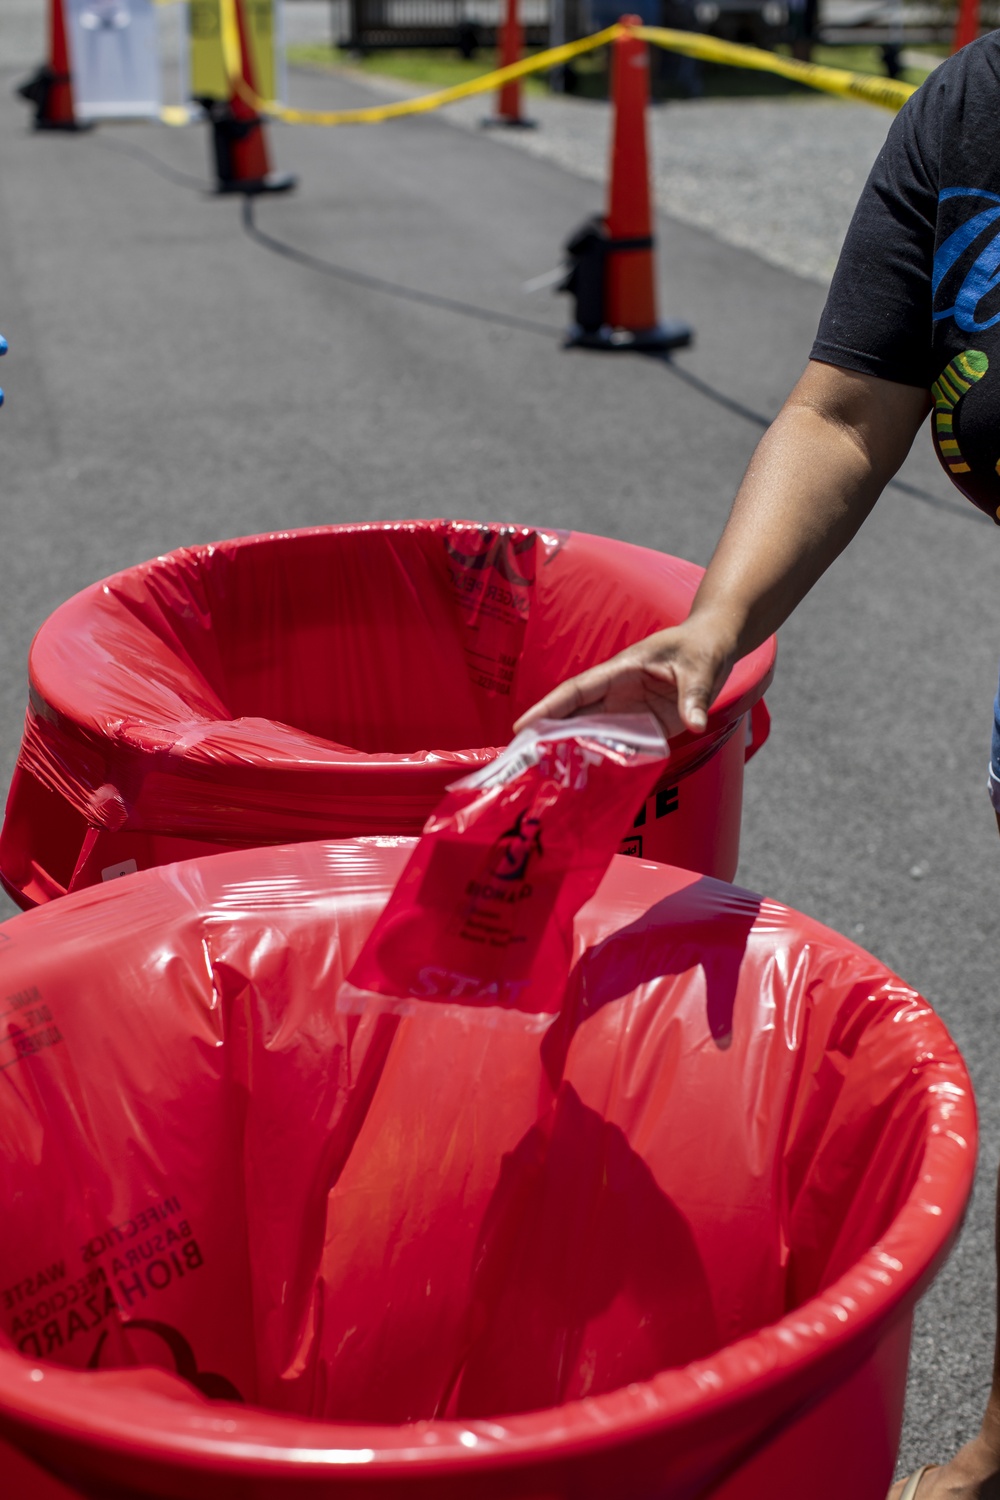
115	872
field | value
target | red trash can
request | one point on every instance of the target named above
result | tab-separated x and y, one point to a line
670	1244
332	682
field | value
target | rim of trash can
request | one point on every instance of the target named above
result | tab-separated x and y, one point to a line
307	755
799	1348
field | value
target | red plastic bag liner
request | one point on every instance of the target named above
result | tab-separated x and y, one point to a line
254	1247
483	912
334	681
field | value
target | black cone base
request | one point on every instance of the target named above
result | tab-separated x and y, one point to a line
274	182
502	122
670	335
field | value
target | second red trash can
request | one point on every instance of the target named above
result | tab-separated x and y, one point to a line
254	1248
331	682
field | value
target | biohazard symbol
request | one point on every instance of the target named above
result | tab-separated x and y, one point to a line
516	847
215	1387
502	547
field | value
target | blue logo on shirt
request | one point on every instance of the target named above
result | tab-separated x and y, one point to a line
983	276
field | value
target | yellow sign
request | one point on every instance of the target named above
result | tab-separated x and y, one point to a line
209	75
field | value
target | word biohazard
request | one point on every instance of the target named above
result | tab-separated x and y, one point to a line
127	1265
129	1229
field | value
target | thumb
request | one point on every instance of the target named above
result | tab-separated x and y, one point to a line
694	686
694	708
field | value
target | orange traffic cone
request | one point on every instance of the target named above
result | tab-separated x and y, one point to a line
51	88
241	159
612	264
967	24
509	94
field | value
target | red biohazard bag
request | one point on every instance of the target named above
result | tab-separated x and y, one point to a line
483	913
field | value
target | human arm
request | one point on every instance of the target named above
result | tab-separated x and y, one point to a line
813	479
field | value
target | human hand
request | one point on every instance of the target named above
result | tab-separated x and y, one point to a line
675	674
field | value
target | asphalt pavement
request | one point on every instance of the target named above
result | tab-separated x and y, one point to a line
183	370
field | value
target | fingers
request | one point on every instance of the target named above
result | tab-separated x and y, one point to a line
570	697
691	675
672	676
689	695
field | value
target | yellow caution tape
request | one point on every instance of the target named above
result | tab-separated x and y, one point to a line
229	35
888	92
374	114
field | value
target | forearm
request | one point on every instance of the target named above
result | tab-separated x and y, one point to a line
813	480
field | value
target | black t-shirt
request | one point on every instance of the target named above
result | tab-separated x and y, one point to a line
916	294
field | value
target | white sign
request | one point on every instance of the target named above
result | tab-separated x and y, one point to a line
114	55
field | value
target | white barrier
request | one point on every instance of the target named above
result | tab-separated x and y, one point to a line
114	58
